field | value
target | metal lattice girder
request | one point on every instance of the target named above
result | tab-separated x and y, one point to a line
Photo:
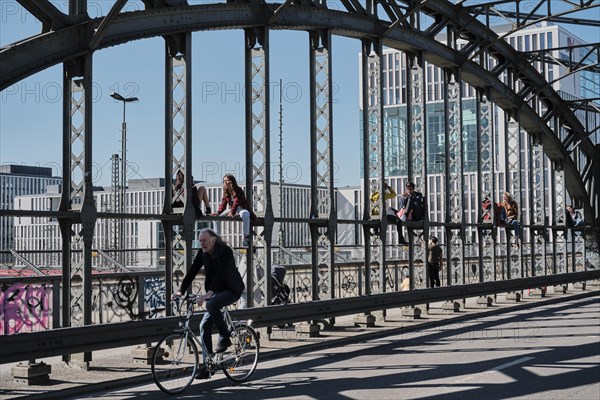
416	147
454	144
374	117
258	161
454	175
321	151
579	253
560	239
374	181
528	13
513	185
178	154
537	207
42	51
486	183
486	152
50	17
583	57
78	195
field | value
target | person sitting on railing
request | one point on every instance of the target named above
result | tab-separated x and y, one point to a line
412	208
573	216
511	213
234	202
200	196
178	190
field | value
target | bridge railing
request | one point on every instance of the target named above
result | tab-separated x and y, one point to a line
64	341
33	303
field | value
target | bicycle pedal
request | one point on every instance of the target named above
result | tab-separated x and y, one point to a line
203	373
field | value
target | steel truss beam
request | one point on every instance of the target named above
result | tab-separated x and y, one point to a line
373	165
417	166
40	52
178	156
50	17
588	62
72	45
258	157
322	205
529	13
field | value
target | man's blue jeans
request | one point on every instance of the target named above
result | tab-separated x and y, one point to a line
214	315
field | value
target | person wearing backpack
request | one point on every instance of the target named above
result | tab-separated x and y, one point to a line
412	208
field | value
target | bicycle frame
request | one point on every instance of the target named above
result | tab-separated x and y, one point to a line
212	361
176	358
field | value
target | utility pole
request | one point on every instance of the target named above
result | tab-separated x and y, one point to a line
281	232
122	203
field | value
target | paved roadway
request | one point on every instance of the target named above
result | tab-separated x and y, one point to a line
551	352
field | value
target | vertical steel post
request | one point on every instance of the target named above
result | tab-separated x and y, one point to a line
454	178
559	224
513	185
258	159
178	156
486	183
77	196
537	209
417	166
322	208
373	165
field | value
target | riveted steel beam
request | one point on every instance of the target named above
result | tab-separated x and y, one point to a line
258	159
50	17
373	165
322	205
178	158
416	84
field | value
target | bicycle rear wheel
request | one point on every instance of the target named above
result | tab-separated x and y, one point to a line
240	359
174	363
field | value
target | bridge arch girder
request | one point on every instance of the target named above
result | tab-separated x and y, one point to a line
37	53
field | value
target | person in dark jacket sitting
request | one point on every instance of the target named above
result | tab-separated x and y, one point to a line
223	284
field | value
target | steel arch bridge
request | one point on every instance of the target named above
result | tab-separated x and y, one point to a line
472	53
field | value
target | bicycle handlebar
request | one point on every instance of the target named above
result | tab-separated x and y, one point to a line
190	297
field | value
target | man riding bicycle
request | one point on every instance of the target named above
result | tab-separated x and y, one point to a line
223	284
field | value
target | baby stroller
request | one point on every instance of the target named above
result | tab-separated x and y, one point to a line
280	292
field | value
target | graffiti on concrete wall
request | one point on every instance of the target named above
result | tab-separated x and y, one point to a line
154	297
24	308
27	307
116	301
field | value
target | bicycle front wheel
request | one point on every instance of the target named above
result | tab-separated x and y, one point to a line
240	359
174	363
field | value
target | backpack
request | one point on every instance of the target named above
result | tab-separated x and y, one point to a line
418	208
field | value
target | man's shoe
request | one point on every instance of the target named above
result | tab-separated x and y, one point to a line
203	373
223	345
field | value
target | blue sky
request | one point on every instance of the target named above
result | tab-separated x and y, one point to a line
31	110
31	122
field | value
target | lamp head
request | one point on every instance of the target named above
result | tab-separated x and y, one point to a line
118	97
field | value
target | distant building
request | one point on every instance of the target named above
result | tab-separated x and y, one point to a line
585	84
19	180
38	239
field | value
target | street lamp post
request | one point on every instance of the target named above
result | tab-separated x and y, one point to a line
122	204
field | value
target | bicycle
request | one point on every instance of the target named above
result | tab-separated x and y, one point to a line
176	359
